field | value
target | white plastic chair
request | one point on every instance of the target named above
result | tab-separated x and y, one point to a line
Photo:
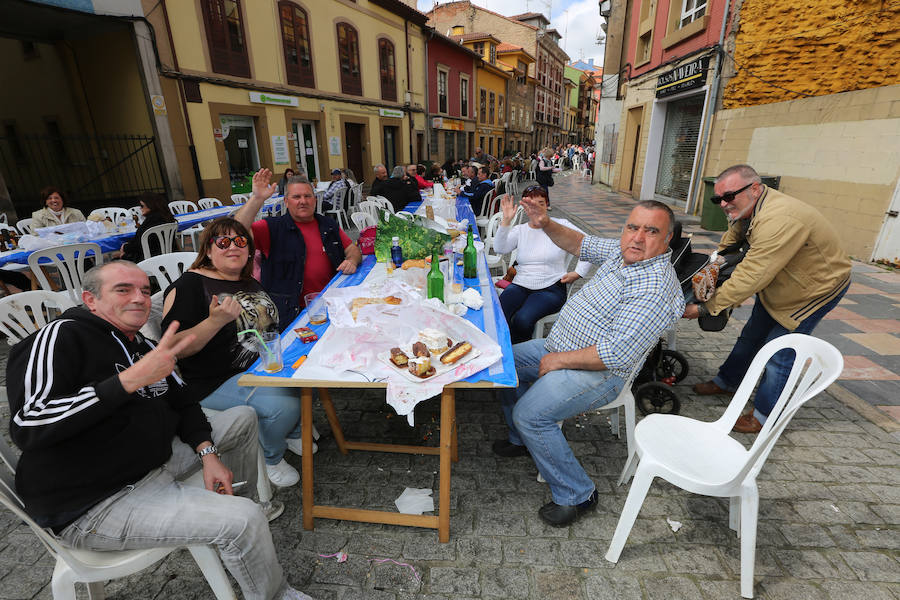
166	268
180	207
493	260
205	203
338	207
702	458
116	214
95	568
164	234
239	198
370	207
3	218
136	212
23	314
69	261
361	220
24	225
488	208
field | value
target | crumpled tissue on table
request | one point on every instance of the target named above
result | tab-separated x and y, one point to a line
349	345
58	235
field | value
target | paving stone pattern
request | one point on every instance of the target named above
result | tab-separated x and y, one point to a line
828	518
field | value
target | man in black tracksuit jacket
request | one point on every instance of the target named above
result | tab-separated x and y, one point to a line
106	429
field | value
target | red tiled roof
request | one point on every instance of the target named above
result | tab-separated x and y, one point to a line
478	35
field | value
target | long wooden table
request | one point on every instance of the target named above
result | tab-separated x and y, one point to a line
501	375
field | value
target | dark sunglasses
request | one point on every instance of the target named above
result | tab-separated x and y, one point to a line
728	196
224	242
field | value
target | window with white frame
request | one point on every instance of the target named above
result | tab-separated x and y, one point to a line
691	10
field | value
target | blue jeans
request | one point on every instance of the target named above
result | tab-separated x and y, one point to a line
759	330
159	511
533	409
523	307
278	410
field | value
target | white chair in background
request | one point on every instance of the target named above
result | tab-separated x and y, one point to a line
3	218
69	261
488	208
180	207
136	212
205	203
166	268
339	207
370	207
24	225
164	234
702	457
23	314
361	220
239	198
490	231
116	214
95	568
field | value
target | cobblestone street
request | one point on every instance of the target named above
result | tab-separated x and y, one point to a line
829	493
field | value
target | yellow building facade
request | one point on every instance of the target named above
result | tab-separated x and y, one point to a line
300	84
490	93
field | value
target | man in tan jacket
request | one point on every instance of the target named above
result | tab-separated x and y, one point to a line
795	266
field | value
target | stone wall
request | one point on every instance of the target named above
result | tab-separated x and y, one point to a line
839	153
812	47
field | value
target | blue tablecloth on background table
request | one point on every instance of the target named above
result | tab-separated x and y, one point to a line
502	374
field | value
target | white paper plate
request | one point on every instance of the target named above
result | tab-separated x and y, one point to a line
439	367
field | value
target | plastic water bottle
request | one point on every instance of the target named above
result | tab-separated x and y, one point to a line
396	252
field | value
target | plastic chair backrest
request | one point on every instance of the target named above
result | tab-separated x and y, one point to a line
209	203
362	220
370	207
69	260
24	225
165	235
24	313
180	207
136	212
491	230
3	218
238	198
5	227
166	268
816	365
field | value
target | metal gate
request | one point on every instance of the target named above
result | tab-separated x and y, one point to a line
95	170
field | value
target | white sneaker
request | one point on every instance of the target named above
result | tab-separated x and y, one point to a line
292	594
295	445
272	509
282	474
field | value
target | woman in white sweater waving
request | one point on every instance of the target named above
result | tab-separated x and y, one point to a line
539	287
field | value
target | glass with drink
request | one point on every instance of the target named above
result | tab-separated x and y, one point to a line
315	309
271	352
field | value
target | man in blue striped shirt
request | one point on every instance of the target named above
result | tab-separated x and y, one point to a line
602	333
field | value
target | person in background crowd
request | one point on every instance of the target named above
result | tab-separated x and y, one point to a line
479	190
301	250
539	287
54	210
108	433
795	266
155	208
337	183
213	300
412	171
288	173
450	167
494	169
506	166
437	174
396	188
544	171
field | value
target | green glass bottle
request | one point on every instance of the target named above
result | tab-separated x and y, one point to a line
435	280
470	257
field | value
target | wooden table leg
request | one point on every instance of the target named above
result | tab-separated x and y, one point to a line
454	451
325	399
307	458
447	417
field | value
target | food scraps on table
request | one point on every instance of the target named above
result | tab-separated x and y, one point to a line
358	303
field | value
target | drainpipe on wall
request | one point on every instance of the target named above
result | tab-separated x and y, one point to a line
430	33
691	205
187	120
409	114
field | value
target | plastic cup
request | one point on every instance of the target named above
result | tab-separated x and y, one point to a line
271	354
315	308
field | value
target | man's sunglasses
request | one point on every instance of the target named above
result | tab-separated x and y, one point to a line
224	242
728	196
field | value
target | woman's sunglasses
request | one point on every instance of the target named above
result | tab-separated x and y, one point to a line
224	242
728	196
534	190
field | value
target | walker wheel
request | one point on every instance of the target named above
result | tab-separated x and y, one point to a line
656	397
672	364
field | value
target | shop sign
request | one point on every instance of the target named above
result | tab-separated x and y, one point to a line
334	145
291	136
688	76
280	150
450	124
391	112
264	98
159	104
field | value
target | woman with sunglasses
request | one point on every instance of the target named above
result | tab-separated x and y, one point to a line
155	208
214	300
539	287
